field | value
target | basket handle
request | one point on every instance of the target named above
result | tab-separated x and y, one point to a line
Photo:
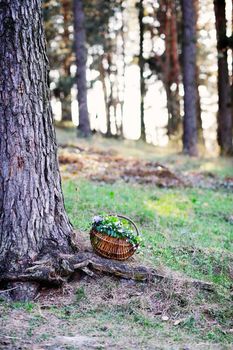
130	220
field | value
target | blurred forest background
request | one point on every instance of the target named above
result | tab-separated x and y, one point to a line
159	70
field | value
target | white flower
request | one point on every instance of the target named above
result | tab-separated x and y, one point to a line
96	219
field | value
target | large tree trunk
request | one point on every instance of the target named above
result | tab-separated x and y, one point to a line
33	221
81	58
189	78
231	47
224	91
141	67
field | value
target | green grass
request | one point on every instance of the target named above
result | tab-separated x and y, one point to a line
186	229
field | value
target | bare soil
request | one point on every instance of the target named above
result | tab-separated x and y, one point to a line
109	167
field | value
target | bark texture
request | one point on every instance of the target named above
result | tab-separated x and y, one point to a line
224	133
81	58
33	221
189	78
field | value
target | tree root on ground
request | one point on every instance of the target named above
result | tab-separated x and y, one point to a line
58	271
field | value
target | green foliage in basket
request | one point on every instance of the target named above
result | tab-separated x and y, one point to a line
114	227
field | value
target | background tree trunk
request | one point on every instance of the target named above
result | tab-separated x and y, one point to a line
81	58
66	52
66	114
33	221
167	65
174	121
110	94
224	133
189	78
200	135
141	67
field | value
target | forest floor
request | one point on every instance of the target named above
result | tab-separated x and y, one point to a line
184	209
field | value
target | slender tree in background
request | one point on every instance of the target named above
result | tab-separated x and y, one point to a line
141	67
224	133
200	135
66	51
81	59
174	76
167	65
189	77
110	95
171	66
33	221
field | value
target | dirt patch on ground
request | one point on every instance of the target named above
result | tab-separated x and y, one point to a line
109	167
208	180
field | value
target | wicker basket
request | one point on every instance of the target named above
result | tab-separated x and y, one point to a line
110	247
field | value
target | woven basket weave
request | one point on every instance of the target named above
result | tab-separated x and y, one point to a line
111	247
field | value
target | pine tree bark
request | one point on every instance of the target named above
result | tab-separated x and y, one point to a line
224	132
33	221
189	78
81	59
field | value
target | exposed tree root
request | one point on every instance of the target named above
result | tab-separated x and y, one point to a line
57	270
21	291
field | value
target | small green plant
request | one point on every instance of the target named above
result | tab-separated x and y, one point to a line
80	294
114	227
27	306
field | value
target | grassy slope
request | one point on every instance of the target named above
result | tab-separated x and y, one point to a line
185	230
